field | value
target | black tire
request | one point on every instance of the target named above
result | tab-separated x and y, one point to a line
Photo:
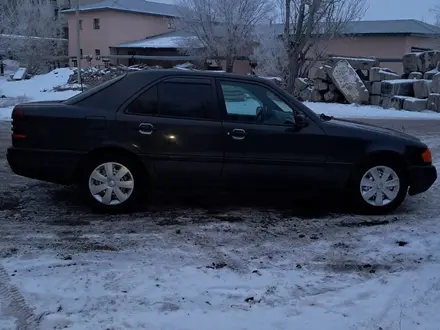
359	204
136	172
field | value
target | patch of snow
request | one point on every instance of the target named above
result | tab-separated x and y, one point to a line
17	36
164	42
38	88
5	114
6	323
399	81
367	111
272	78
391	73
354	58
407	98
70	87
20	74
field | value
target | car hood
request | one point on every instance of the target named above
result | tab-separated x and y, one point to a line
372	128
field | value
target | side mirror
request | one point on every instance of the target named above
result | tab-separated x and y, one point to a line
301	120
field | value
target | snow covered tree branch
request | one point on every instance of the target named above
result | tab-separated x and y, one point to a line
270	54
221	28
30	32
307	27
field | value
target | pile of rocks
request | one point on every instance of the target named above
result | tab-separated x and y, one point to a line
418	89
362	81
339	79
93	76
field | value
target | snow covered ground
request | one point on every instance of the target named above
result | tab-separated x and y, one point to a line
372	277
63	268
366	111
231	268
39	88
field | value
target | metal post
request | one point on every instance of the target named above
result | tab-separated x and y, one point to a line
78	42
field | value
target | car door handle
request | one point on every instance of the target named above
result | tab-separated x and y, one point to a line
146	129
238	134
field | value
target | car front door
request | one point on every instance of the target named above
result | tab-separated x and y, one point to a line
176	126
264	147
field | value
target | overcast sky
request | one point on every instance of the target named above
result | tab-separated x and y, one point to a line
393	9
400	9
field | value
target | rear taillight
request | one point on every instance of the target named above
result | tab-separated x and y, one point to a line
17	131
18	136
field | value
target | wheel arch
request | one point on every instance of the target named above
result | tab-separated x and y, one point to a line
105	150
393	156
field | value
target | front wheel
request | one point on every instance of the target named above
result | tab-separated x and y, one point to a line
111	183
378	187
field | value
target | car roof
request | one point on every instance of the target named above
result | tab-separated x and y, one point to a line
190	73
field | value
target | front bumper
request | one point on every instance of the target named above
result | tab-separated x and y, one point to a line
44	165
421	178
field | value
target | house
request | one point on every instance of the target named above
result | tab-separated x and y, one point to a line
129	27
60	5
109	23
387	40
139	27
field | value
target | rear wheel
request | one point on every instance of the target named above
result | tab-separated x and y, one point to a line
111	183
378	187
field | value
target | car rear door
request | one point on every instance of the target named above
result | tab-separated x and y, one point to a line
272	152
176	126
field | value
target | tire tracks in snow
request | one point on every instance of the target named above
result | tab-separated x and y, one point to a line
15	304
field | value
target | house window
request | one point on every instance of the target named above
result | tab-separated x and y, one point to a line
65	32
97	52
96	24
80	24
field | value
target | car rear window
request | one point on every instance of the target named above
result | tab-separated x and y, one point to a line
82	96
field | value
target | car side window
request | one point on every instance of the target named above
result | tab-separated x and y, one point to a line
253	103
190	100
145	104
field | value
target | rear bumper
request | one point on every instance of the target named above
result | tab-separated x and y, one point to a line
421	178
44	165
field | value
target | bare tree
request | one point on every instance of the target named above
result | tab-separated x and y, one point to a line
221	28
436	11
31	33
307	27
